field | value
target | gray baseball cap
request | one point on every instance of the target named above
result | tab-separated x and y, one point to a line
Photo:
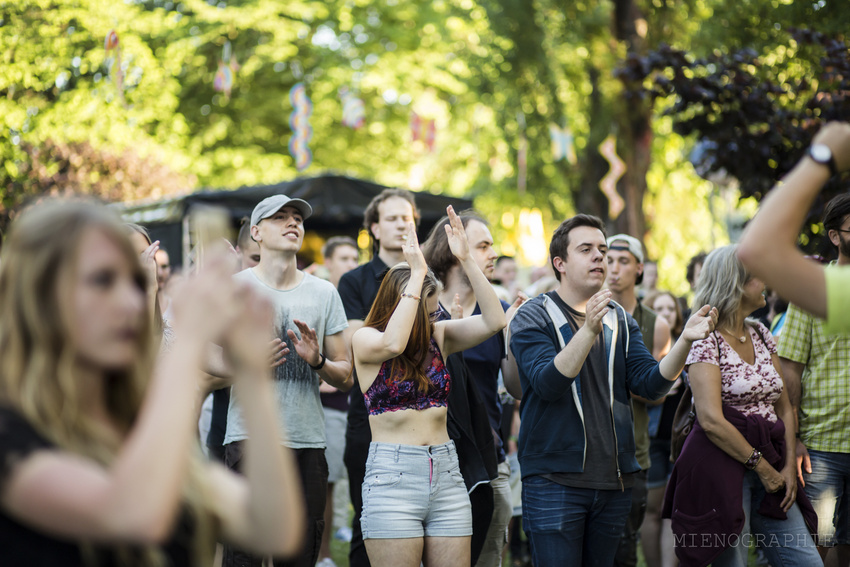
632	243
270	205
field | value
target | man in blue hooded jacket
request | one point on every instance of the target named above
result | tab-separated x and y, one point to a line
580	357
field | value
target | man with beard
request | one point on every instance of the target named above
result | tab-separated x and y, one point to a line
816	368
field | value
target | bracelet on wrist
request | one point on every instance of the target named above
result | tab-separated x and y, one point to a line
753	461
411	296
322	359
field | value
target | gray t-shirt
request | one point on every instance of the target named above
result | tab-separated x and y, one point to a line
317	303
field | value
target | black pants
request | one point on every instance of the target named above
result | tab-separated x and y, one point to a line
313	469
627	551
356	453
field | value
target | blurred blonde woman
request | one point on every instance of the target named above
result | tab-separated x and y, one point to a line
98	461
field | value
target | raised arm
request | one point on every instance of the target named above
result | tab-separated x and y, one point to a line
461	334
698	327
372	346
768	247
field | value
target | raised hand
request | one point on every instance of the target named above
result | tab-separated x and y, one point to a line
277	352
307	346
412	254
207	303
700	324
149	264
457	308
249	341
596	308
836	135
521	298
456	234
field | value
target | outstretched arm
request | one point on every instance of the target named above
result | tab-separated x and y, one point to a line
461	334
698	327
768	248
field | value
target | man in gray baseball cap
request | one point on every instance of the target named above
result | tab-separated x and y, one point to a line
308	319
270	205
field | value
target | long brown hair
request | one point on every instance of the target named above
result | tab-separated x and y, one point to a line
37	357
408	363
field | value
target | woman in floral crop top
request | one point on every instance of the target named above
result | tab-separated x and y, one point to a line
738	391
415	506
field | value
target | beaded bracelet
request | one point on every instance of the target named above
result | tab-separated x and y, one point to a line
411	296
754	460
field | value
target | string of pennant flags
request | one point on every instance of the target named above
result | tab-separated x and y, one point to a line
422	129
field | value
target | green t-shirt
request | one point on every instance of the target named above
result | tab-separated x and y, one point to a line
837	300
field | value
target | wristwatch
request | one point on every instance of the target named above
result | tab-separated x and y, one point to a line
319	366
821	154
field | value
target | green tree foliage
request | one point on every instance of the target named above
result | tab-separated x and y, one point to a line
479	68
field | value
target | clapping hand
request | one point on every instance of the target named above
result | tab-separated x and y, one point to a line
597	307
456	234
307	346
700	324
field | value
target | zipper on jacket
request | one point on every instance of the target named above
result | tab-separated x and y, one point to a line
614	338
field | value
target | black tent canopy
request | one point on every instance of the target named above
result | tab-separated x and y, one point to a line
338	205
338	202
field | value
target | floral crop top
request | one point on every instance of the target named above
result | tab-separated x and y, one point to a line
393	393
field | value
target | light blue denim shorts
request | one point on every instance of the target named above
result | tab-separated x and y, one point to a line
414	491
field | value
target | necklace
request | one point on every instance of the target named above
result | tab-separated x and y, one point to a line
741	338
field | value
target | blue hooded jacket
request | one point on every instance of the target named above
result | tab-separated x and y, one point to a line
552	436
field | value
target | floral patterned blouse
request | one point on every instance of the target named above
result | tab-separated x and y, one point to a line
751	389
394	393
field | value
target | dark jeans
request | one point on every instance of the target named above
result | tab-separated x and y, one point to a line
313	469
572	526
627	551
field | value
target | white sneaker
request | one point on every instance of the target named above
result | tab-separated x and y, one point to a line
326	562
343	534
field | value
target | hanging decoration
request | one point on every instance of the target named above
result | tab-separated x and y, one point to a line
522	154
226	72
562	143
424	130
112	46
608	184
353	109
299	123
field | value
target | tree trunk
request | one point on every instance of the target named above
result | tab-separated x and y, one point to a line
635	139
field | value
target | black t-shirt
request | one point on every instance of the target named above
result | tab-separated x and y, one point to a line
358	290
21	546
600	465
484	362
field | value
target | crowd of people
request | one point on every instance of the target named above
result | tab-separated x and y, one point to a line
460	411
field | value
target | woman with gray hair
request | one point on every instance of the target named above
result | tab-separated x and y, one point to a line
734	482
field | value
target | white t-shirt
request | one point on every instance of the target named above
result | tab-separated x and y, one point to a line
317	303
